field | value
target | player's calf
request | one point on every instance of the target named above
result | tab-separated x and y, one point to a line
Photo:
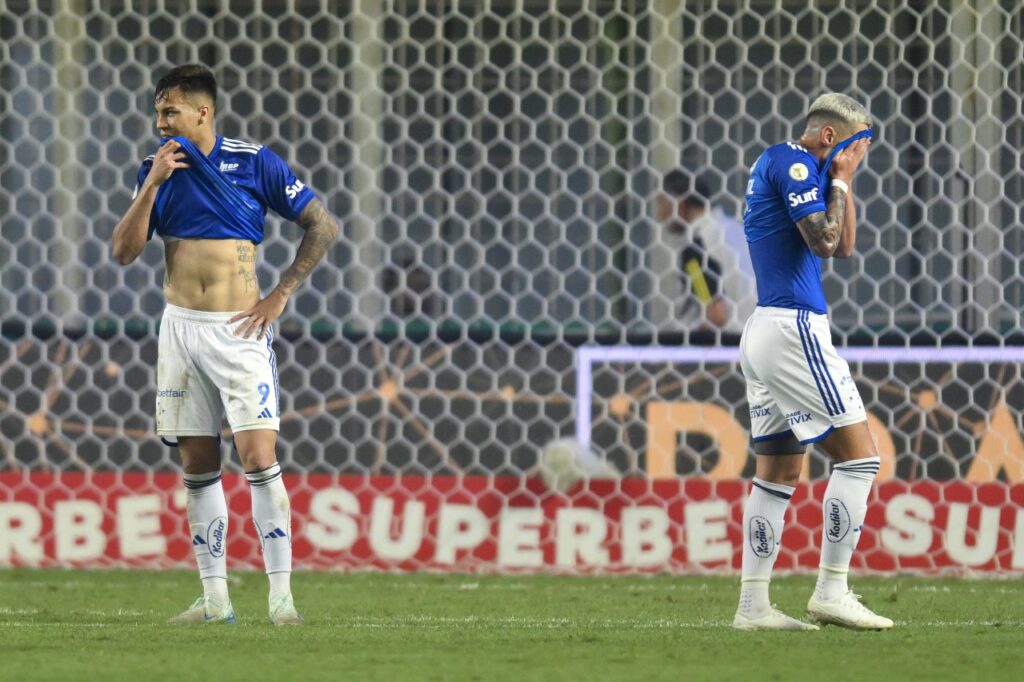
271	514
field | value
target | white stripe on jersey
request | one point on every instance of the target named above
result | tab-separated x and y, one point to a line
239	150
233	150
240	146
231	140
149	158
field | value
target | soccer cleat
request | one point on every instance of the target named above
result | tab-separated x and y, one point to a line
206	610
282	611
772	619
847	612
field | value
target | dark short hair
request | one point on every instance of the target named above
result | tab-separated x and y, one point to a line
681	184
190	79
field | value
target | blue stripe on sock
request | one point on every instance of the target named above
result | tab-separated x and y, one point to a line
202	484
198	481
866	461
261	484
855	465
262	477
770	491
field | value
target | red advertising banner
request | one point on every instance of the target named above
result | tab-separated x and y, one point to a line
503	524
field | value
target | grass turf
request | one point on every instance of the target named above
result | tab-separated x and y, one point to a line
69	625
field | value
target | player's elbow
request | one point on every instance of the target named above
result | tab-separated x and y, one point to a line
824	249
333	229
124	254
843	251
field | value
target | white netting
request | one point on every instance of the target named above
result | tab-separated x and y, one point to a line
494	165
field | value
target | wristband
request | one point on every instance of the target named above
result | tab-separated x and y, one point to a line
841	185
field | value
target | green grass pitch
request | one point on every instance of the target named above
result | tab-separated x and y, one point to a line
93	625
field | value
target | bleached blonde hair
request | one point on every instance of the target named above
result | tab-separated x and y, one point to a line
836	108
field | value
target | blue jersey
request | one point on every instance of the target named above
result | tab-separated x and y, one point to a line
786	184
194	204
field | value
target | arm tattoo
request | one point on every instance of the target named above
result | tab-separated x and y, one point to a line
247	264
321	230
822	231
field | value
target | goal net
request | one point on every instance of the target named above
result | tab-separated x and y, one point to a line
497	167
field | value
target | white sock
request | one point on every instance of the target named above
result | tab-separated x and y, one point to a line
271	514
763	519
280	583
844	509
216	589
208	522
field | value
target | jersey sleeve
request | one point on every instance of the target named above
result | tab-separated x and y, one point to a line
144	169
281	190
798	181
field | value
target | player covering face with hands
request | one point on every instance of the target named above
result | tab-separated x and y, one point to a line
800	210
207	197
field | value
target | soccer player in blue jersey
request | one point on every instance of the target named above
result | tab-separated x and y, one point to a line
799	210
207	197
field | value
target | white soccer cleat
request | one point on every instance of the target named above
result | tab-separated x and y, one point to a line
847	612
772	619
206	610
282	611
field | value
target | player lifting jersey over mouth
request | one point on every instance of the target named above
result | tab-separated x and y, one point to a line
207	196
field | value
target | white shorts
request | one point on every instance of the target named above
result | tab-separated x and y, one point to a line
205	371
797	385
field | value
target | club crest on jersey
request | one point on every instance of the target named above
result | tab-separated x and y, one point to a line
797	199
837	520
762	537
798	172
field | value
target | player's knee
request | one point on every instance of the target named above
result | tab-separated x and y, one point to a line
783	473
850	442
258	458
780	466
199	454
257	449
